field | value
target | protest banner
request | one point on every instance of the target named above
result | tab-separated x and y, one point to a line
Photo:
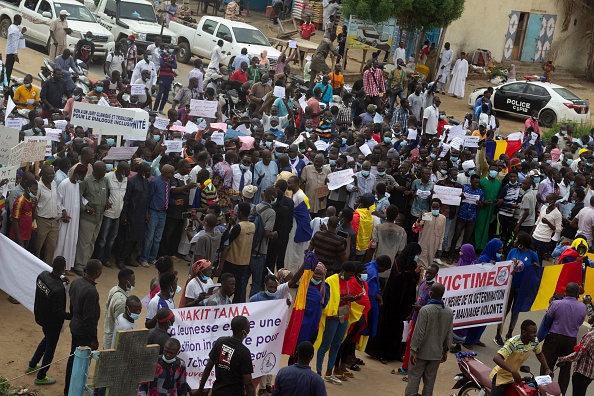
218	138
198	328
476	293
15	123
120	153
173	146
47	141
8	139
161	123
16	154
203	108
471	141
53	134
111	120
339	179
448	195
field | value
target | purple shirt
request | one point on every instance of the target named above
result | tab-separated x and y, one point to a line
568	315
423	298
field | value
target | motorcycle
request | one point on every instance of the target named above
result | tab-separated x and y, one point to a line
474	379
216	79
80	79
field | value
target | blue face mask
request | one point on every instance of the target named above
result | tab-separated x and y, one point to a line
493	174
548	161
365	173
268	144
381	173
268	293
415	258
571	183
499	256
432	156
332	162
454	159
443	171
364	277
344	141
537	180
168	361
435	212
534	159
88	39
243	167
99	89
514	183
134	316
387	140
156	138
308	129
569	161
316	282
171	50
110	142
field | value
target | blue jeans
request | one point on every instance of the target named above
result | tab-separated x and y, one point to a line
333	335
106	238
152	237
162	95
449	223
255	270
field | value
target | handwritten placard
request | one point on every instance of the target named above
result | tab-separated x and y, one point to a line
47	141
137	89
53	134
8	139
161	123
8	172
203	108
471	141
35	150
471	199
16	154
218	138
173	146
339	179
448	195
533	137
120	153
15	123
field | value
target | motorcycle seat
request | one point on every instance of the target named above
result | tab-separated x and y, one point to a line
481	372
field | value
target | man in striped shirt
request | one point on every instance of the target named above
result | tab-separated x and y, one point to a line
373	85
330	247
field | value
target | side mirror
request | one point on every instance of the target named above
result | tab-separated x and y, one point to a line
46	14
525	369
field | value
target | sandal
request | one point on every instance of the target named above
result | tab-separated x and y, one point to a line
400	371
341	377
348	374
354	367
405	379
360	362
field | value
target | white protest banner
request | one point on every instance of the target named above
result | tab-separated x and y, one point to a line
476	293
448	195
15	123
471	199
198	328
339	179
191	127
137	89
47	142
53	134
8	172
412	134
16	154
8	139
533	137
292	44
120	153
115	120
471	141
203	108
279	92
161	123
173	146
61	124
218	138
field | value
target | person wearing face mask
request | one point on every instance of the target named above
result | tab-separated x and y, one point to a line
96	93
532	122
491	186
431	233
26	96
84	49
170	371
547	227
313	177
234	374
198	286
163	299
168	64
147	63
507	203
116	303
363	183
526	215
77	96
127	319
68	196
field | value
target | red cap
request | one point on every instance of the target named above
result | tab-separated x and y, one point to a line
515	162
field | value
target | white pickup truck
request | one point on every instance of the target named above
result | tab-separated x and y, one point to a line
38	14
199	39
132	17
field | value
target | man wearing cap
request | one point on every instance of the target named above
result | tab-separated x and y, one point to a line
367	117
58	32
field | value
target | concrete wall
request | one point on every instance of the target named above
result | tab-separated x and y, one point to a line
484	25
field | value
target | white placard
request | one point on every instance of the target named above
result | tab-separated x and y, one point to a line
412	134
191	127
364	148
423	194
203	108
45	139
456	131
218	138
53	134
302	103
15	123
471	141
444	150
8	172
279	92
161	123
8	139
242	129
16	154
543	379
34	150
120	153
137	89
110	120
533	137
321	145
378	118
61	124
22	43
339	179
448	195
173	146
9	108
471	199
103	102
292	44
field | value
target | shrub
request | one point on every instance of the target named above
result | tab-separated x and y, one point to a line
578	130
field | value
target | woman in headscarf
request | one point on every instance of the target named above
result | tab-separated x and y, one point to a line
264	62
398	297
492	253
198	284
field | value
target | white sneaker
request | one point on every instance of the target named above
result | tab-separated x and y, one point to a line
333	379
144	264
438	261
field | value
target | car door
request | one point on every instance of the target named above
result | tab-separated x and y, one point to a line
224	33
28	12
41	23
508	98
205	38
536	96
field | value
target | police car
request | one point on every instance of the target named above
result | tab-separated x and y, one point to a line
553	102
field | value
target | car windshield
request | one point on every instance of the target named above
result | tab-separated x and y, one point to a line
566	94
77	12
137	11
250	36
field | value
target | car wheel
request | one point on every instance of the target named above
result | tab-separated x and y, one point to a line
185	54
547	118
4	25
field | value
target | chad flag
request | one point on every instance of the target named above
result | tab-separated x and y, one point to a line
539	284
494	148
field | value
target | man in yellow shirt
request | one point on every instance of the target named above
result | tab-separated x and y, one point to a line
337	80
512	356
26	96
481	132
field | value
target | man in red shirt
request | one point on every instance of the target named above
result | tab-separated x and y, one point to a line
22	215
307	29
241	73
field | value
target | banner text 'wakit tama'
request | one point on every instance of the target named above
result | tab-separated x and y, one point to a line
476	293
111	120
198	328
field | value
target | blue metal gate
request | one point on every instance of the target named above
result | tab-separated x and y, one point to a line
531	38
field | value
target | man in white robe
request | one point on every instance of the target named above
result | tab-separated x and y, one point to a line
295	250
445	64
459	76
69	196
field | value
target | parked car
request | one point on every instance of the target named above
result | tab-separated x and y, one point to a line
553	102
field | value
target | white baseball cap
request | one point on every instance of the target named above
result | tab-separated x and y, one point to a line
64	12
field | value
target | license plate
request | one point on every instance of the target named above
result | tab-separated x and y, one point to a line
583	111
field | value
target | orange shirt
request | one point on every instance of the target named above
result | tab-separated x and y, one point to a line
336	80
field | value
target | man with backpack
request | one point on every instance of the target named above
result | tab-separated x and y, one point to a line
263	217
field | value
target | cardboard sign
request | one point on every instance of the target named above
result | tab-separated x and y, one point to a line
203	108
15	123
173	146
161	123
9	138
8	172
137	89
218	138
47	141
471	141
120	153
53	134
448	195
16	154
279	92
292	44
34	150
111	120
